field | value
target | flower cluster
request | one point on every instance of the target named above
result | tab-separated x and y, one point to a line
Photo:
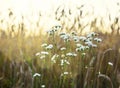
71	46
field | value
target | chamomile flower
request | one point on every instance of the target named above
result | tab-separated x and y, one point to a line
42	56
36	74
110	63
50	46
65	37
44	53
43	86
66	73
82	38
63	48
37	54
79	45
71	54
92	34
98	39
64	62
50	32
89	43
44	45
76	38
81	48
54	58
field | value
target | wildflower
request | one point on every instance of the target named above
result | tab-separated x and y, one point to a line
57	27
66	73
36	74
53	58
62	55
86	47
71	54
44	45
44	52
50	32
98	39
50	46
89	39
79	45
76	38
94	45
67	62
83	54
65	37
42	57
92	34
110	63
37	54
89	43
43	86
63	48
82	38
63	62
81	48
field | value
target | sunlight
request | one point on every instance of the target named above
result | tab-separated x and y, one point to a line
31	8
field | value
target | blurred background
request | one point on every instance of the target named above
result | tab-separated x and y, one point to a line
39	15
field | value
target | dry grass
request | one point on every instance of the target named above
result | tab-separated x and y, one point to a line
20	67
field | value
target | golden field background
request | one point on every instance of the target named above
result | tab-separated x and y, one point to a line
23	33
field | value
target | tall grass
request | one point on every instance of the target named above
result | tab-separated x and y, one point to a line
60	59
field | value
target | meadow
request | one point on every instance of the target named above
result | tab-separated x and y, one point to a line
64	57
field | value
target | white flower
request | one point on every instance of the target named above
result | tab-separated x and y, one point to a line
66	73
67	62
92	34
79	45
57	27
89	39
50	32
44	45
42	57
89	43
62	55
50	46
65	37
43	86
76	38
53	58
81	48
37	54
110	63
94	45
63	48
82	38
98	39
71	54
63	62
36	74
86	47
83	54
44	53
